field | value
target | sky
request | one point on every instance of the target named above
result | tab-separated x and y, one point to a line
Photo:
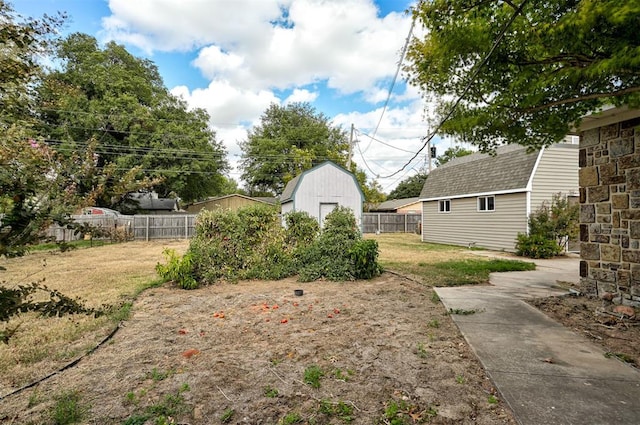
236	57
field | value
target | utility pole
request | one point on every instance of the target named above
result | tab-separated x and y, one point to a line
429	155
350	148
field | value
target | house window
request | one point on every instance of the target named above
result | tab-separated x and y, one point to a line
486	203
444	205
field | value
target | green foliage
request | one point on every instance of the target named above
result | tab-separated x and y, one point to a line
290	139
340	409
557	61
409	187
312	376
471	271
325	257
364	257
451	153
301	229
401	412
178	269
103	95
270	392
290	419
68	409
162	412
252	244
550	228
20	299
227	415
537	246
247	244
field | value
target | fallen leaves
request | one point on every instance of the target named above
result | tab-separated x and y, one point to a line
190	353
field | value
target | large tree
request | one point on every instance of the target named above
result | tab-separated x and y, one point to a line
289	140
38	186
524	71
409	187
118	102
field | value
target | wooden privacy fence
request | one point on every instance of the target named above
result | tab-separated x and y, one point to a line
390	223
128	227
182	226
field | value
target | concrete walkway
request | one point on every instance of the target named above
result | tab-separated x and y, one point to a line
547	373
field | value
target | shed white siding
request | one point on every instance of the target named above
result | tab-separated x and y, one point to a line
287	207
464	224
557	171
326	185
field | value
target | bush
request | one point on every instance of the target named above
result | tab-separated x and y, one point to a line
178	269
550	227
301	229
335	253
252	244
537	246
364	256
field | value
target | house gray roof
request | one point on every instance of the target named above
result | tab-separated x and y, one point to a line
508	170
161	204
394	204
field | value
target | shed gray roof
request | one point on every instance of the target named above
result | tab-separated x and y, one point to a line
394	204
509	170
287	193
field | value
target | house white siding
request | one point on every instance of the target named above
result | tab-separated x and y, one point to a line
464	224
557	171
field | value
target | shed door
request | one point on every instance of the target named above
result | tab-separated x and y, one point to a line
325	209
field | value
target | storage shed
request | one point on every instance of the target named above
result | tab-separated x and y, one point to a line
486	200
321	189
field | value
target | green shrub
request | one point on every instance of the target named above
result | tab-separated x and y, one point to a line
178	269
364	256
537	246
301	229
252	244
334	254
550	227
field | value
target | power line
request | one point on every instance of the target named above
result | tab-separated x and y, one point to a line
470	83
395	77
382	143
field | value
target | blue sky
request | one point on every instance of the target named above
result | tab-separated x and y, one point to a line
235	57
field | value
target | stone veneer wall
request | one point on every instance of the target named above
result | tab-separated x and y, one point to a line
610	211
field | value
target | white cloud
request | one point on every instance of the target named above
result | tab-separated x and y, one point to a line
269	43
301	95
248	49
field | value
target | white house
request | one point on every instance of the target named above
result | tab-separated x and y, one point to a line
485	200
321	189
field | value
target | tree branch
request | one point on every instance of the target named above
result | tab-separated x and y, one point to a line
591	96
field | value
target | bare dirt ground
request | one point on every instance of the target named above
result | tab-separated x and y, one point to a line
237	353
619	336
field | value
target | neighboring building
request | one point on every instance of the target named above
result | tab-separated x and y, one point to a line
485	200
321	189
400	206
610	204
100	212
228	202
150	203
